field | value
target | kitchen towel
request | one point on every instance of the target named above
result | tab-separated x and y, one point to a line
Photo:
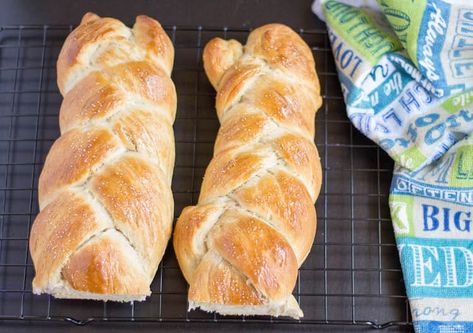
406	71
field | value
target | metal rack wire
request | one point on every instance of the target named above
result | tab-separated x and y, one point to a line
351	277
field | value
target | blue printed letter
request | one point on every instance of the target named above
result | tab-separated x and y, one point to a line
434	224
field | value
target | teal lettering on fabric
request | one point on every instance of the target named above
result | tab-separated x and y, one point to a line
412	94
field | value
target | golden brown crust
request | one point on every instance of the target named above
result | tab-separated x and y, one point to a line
105	188
192	233
149	134
228	171
233	82
285	50
255	220
288	204
220	55
47	246
99	95
303	157
256	250
146	83
150	36
72	158
83	40
104	266
135	194
216	281
98	43
240	128
283	102
84	103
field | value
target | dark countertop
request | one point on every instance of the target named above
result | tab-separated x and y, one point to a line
218	13
200	328
231	13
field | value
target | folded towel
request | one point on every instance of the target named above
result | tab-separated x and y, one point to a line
406	71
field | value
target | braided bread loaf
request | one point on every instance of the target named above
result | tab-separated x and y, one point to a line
105	189
254	224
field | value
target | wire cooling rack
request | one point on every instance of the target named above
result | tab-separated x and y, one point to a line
352	275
